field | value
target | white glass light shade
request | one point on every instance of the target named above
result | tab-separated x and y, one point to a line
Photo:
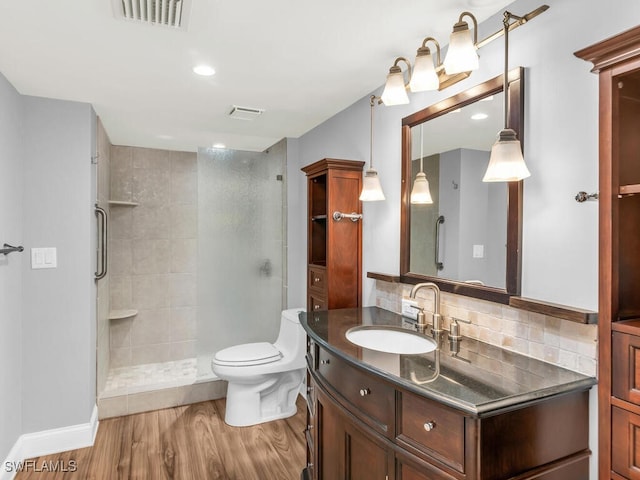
424	76
506	163
371	188
420	194
462	55
395	92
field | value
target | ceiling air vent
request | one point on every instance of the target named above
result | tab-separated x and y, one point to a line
245	113
167	13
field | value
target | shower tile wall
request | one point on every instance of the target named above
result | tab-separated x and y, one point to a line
153	252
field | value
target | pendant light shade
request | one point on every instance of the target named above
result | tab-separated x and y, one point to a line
420	194
506	163
395	90
424	76
371	188
462	55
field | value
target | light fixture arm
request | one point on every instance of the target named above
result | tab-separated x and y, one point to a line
461	23
372	101
507	17
424	45
396	69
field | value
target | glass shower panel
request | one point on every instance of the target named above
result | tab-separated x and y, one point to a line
240	249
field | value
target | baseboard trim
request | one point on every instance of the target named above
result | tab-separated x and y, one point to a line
46	442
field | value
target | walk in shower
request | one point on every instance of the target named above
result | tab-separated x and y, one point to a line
241	256
196	263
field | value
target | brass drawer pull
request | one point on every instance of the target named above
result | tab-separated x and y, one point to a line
316	307
316	279
325	362
364	392
429	426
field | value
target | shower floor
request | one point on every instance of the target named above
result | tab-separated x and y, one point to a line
150	376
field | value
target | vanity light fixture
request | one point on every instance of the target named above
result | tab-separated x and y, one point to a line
420	194
424	76
395	89
462	54
506	163
371	188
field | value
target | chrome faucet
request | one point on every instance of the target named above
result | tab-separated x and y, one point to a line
422	324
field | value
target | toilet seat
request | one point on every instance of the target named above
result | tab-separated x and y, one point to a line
248	354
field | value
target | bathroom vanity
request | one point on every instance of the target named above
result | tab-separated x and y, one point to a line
480	412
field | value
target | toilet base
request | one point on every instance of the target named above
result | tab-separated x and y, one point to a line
272	398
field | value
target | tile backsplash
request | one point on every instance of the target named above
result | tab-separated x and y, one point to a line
564	343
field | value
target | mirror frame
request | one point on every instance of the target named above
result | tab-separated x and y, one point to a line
515	97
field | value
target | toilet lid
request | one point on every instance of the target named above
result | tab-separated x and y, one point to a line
248	354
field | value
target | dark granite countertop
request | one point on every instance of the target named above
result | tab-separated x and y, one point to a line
479	379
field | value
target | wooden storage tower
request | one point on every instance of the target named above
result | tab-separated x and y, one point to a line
617	62
334	260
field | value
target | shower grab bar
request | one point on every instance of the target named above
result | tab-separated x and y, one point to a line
439	264
10	249
101	253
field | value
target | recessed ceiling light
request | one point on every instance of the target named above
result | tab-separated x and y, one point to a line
479	116
219	145
204	70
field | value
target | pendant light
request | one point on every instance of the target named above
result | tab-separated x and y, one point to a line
506	163
420	194
424	76
395	89
371	188
462	54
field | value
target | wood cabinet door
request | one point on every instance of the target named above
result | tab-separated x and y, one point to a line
625	446
345	452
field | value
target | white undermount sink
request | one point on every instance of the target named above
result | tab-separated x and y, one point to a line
390	340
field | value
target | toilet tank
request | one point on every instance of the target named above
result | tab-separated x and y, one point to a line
292	339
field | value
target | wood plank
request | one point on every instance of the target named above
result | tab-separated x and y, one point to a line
565	312
184	443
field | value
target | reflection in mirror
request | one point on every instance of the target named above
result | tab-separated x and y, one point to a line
468	241
462	235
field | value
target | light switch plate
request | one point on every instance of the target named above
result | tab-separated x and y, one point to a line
407	310
44	258
478	251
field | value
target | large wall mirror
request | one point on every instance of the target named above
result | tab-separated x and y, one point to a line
469	239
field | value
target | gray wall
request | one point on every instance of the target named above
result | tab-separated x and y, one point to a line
47	327
58	317
11	179
561	148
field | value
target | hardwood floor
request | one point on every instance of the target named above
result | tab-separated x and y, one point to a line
191	442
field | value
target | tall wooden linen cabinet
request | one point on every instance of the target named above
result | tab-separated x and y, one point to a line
617	62
334	260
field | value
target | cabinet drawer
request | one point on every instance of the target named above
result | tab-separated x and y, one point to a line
370	398
625	443
316	302
626	367
317	279
431	429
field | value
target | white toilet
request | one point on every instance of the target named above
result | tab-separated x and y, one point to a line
264	378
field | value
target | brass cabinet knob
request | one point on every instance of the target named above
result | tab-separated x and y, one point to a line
364	392
316	279
429	426
325	362
316	307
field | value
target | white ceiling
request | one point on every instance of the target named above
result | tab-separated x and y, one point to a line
299	60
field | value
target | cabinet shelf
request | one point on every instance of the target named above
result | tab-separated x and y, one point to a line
120	203
629	189
122	314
